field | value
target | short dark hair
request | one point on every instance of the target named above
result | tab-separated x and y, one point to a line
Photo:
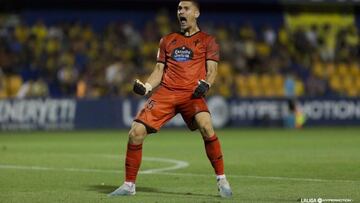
195	2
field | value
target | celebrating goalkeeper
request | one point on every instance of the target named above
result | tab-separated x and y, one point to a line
186	68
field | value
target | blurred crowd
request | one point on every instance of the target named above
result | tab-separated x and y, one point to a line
70	59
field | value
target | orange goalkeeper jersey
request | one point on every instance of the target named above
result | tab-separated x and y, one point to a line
185	59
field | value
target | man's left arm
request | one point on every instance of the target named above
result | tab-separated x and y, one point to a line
204	85
212	68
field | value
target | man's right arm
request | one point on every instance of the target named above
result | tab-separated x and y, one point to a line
153	81
155	78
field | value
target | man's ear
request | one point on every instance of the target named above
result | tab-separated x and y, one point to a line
197	13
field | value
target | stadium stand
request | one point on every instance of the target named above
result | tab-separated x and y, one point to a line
72	59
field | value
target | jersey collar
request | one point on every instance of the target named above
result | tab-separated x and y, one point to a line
183	34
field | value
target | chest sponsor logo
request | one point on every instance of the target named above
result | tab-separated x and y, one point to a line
182	54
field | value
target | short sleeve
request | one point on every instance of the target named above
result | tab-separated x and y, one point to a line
161	51
212	50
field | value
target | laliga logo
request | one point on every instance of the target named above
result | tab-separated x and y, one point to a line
311	200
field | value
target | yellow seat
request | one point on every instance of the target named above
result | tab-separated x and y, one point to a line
299	88
335	83
225	69
269	92
278	80
279	92
263	49
3	87
318	69
14	83
342	69
239	87
329	70
354	69
243	93
265	80
240	82
347	83
252	81
224	90
149	48
352	92
256	90
357	81
240	79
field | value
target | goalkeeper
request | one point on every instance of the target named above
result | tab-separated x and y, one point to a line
187	63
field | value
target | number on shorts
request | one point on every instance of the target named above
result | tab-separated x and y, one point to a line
150	104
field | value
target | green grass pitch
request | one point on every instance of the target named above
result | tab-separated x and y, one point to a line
262	165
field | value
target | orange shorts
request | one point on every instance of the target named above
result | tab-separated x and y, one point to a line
164	104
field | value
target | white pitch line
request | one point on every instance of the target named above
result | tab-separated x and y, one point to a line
40	168
172	174
178	165
264	177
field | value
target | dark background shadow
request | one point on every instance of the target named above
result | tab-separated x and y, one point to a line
106	189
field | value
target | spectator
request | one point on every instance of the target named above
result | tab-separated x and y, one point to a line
74	59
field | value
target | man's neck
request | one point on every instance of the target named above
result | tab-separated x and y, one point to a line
191	31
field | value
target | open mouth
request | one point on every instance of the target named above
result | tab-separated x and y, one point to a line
182	19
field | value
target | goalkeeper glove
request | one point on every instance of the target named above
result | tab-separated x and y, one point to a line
201	89
141	88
